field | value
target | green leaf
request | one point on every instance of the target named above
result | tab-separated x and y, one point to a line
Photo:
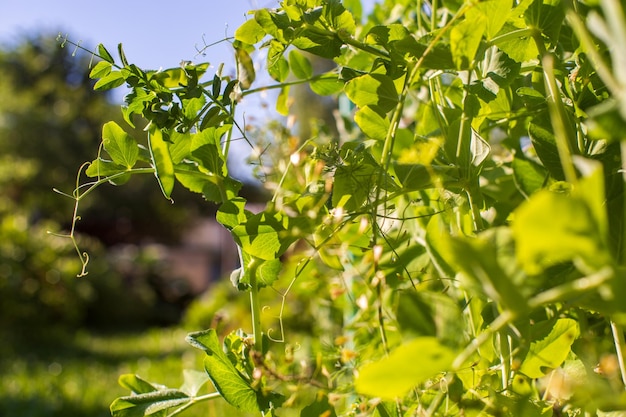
324	44
193	106
225	377
111	80
529	176
101	168
341	20
136	384
282	101
550	351
245	69
263	236
551	228
104	54
411	364
353	185
300	65
122	54
479	258
372	123
207	184
384	34
319	407
494	12
205	151
546	16
180	146
101	69
373	90
421	177
122	148
415	315
277	65
544	143
267	272
193	381
161	160
171	78
465	38
250	32
326	85
232	213
521	48
148	404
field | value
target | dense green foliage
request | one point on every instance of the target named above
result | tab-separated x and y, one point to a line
458	249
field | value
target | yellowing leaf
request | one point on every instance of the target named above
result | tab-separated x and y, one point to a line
409	365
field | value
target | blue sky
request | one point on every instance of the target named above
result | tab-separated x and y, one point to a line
154	34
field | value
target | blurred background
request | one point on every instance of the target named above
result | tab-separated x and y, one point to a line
154	266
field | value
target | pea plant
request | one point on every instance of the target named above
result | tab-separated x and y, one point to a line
457	244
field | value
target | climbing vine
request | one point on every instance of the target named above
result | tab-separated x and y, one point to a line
462	224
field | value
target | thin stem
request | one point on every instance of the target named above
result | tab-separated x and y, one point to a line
564	135
282	85
433	15
498	324
620	348
255	305
622	241
505	357
195	400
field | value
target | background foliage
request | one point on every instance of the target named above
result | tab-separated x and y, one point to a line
457	249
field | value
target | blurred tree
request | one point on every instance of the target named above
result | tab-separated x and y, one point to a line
50	126
50	123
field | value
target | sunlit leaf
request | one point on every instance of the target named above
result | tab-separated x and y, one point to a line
225	377
100	70
104	54
373	90
111	80
464	40
136	384
549	352
263	236
372	123
282	101
162	161
300	65
495	13
409	365
119	145
245	68
148	404
249	32
326	85
552	227
193	381
277	65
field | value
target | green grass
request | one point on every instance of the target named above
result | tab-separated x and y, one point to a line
77	375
